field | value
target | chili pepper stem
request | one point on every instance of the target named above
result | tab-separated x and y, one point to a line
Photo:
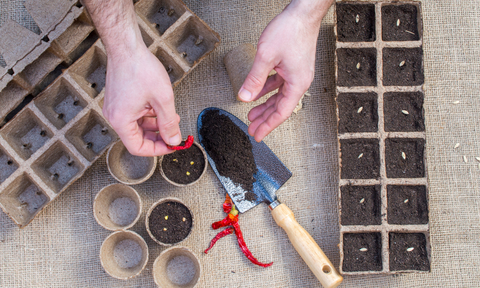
188	144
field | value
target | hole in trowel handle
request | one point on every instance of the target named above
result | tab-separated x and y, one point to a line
326	269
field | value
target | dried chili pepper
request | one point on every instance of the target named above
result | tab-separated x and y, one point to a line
232	220
224	233
188	144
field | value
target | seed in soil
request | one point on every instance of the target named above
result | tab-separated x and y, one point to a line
348	60
396	20
408	74
411	167
407	204
173	230
178	168
408	251
355	22
396	120
365	167
367	211
356	258
354	119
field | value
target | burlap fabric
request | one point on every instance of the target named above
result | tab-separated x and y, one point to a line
61	246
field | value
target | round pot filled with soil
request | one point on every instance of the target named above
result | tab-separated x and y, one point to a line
124	254
117	207
184	167
169	221
176	267
127	168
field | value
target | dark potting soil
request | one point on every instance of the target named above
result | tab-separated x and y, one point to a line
360	159
408	251
362	252
413	164
357	67
357	112
407	204
403	112
400	23
230	149
361	205
355	22
178	166
402	66
173	229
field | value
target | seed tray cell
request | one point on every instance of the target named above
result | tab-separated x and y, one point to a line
90	73
383	186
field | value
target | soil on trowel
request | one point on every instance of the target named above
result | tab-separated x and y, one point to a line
184	166
230	149
170	222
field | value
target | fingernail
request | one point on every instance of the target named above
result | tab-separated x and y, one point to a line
245	95
175	140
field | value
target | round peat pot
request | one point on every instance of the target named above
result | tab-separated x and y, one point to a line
184	167
169	221
176	267
127	168
124	254
117	207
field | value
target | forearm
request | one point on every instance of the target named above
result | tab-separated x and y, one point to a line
311	11
116	23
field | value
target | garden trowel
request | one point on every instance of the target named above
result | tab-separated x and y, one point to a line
270	176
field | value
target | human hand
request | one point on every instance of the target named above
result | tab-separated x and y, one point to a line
139	101
287	45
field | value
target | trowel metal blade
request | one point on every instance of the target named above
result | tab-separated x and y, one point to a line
271	174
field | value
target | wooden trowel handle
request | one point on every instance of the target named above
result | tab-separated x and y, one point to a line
316	260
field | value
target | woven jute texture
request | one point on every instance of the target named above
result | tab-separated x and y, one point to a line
60	248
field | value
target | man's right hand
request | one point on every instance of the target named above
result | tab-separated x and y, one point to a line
139	102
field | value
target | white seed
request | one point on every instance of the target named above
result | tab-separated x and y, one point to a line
410	249
410	32
357	18
405	201
360	109
362	200
363	249
405	112
360	156
398	22
358	66
404	156
402	63
456	102
477	158
465	159
456	146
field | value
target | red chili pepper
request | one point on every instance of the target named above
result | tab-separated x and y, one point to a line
227	221
227	205
232	220
188	144
222	234
244	248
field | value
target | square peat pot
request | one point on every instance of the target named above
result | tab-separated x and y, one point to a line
400	22
408	251
360	158
355	22
362	252
22	200
407	204
357	112
403	112
403	66
26	134
360	205
357	67
404	157
90	71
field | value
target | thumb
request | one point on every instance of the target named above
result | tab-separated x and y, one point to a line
256	79
167	121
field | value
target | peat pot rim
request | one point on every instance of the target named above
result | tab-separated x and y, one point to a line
147	217
113	156
191	183
106	195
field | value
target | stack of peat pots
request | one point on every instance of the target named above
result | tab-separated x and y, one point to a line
117	207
